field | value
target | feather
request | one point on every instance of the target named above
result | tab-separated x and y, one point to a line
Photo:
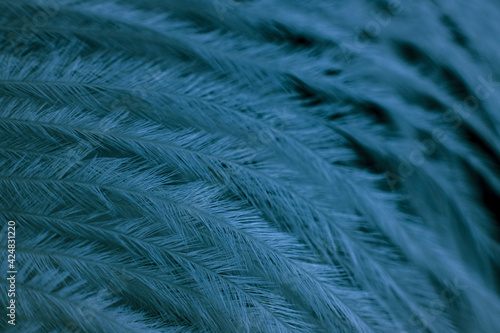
230	166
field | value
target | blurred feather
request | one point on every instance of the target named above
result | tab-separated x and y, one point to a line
230	166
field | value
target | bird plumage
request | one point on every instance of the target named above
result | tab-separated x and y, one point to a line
251	166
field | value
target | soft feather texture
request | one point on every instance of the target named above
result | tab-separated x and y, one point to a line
251	166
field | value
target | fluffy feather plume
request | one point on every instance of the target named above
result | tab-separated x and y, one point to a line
251	166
